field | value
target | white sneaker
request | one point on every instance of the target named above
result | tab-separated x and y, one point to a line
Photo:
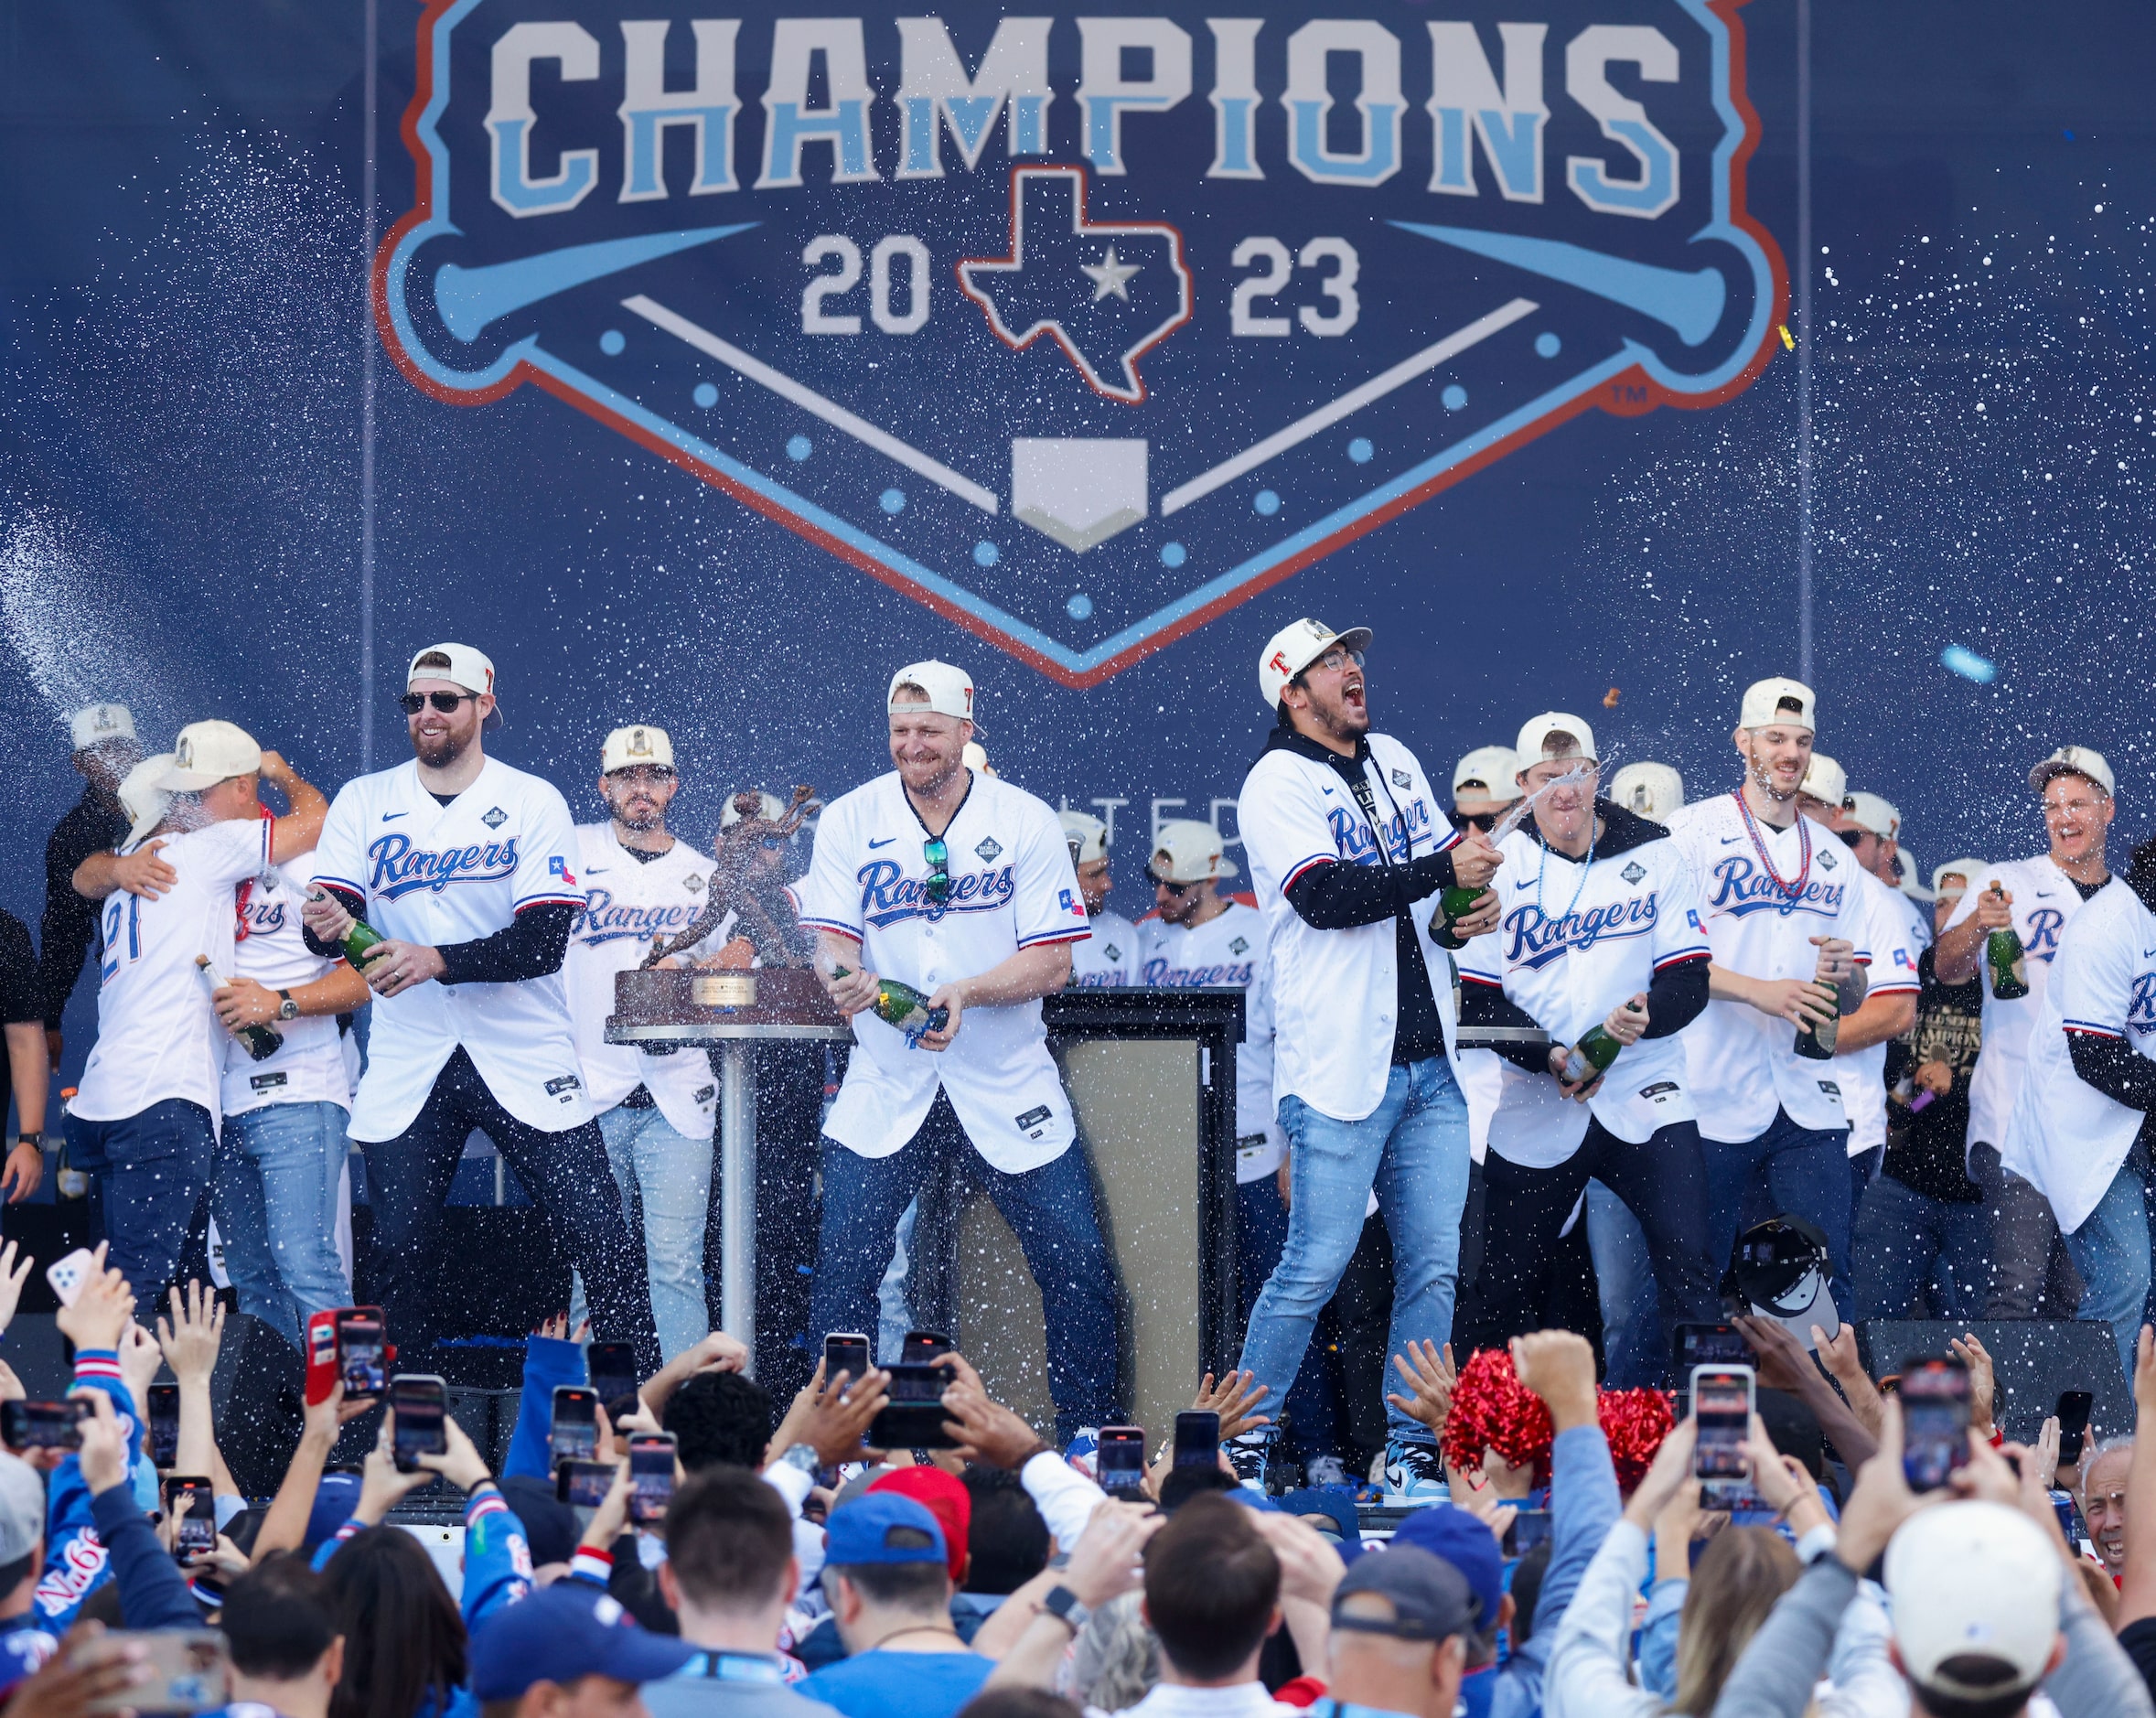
1414	1475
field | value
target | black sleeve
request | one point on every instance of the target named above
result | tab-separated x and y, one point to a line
532	944
68	923
2114	1068
2138	1640
1482	1005
352	904
22	992
1339	897
1676	997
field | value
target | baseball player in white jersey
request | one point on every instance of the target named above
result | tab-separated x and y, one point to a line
280	1186
959	886
468	871
1349	850
2079	1128
1785	930
2037	899
146	1113
655	1112
1600	928
1110	956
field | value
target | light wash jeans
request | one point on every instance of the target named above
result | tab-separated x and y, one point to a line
275	1197
2112	1252
1412	1151
668	1175
1635	1352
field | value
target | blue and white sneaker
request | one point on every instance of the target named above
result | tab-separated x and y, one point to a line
1252	1456
1414	1475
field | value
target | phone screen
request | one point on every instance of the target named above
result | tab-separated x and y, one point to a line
612	1367
1934	1421
651	1477
845	1351
164	1424
584	1484
1198	1438
422	1406
575	1433
1721	1402
1122	1460
2073	1410
361	1355
925	1345
1711	1345
44	1425
913	1417
192	1503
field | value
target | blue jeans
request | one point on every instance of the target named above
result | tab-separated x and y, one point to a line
1801	1170
1412	1151
153	1171
275	1197
1316	1415
1050	1209
1634	1350
2112	1252
668	1175
1908	1242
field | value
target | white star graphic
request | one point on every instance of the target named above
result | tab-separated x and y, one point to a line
1109	276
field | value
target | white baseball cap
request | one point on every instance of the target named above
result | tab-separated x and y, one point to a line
974	755
1191	852
949	690
1762	705
22	1508
2074	760
1535	734
769	806
627	747
95	724
1653	791
1490	767
1872	813
1967	870
1087	834
1973	1580
463	667
208	753
1294	648
1824	779
141	799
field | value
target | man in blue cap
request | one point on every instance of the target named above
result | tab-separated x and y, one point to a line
568	1651
1401	1623
1459	1537
887	1578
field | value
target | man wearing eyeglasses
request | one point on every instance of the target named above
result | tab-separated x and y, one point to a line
2036	899
1349	850
469	870
960	886
655	1112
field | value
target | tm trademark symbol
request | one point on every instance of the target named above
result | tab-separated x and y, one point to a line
1632	394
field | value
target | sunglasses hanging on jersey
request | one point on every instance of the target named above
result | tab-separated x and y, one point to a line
937	887
413	702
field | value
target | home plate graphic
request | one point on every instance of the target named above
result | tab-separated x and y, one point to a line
1080	330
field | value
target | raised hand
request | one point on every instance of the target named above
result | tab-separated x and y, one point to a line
195	1334
102	1310
1430	1377
1233	1399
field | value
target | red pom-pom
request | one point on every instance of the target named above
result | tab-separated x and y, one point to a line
1635	1421
1493	1410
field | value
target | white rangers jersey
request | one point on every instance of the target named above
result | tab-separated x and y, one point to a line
2065	1136
628	902
1011	887
436	874
1575	938
269	948
157	1036
1228	950
2045	903
1764	894
1110	956
1862	1073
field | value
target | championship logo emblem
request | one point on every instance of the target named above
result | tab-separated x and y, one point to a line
1081	330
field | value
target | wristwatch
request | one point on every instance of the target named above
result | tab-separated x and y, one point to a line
286	1008
26	1138
802	1457
1063	1605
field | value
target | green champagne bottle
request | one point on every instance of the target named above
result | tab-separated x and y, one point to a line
903	1006
2003	955
1453	905
1814	1042
359	939
1591	1055
261	1041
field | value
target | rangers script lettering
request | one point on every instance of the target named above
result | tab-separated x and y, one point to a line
1741	887
1535	938
602	920
890	896
399	868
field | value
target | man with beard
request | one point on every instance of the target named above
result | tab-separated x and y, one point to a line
656	1111
959	886
468	869
1350	852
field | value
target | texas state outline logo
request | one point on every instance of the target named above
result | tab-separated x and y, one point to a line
1080	330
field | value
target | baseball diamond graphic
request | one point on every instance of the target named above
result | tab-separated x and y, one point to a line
1233	293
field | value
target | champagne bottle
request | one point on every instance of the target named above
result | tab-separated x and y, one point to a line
1453	905
2003	954
361	937
903	1006
261	1041
1814	1040
68	1182
1591	1055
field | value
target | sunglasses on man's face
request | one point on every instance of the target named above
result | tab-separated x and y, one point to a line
1177	889
1483	820
937	887
413	702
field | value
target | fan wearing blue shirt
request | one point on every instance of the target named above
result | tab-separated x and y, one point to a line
888	1579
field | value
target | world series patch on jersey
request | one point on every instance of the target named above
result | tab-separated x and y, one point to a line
438	874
